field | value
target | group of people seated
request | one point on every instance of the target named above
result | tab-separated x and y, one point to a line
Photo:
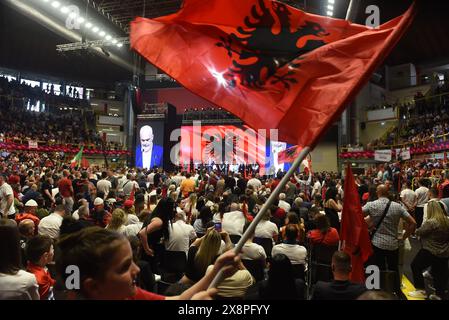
138	234
53	127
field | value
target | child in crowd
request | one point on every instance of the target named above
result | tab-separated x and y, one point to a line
40	253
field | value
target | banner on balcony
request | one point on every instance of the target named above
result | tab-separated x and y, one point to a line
382	155
32	144
403	154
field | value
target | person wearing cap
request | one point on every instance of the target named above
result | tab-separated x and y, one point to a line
7	209
131	217
99	214
29	213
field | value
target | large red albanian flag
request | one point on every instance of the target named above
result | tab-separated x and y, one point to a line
270	64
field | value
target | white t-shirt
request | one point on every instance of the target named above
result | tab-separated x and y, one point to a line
284	205
132	219
316	188
296	253
150	178
50	225
128	187
104	186
20	286
233	222
75	215
253	251
216	218
5	191
266	229
133	229
181	234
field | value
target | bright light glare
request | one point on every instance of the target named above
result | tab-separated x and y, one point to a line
64	9
80	19
55	4
108	37
95	29
330	13
88	25
330	7
102	34
120	45
219	76
72	15
114	41
331	1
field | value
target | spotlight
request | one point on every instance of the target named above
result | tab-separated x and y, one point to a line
330	13
95	29
102	33
80	20
72	15
120	45
330	7
108	37
331	1
88	25
64	9
114	41
55	4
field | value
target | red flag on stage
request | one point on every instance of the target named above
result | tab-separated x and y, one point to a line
273	66
289	155
354	230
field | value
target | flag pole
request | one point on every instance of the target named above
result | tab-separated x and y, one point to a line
274	195
352	9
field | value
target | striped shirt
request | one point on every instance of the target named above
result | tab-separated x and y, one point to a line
386	237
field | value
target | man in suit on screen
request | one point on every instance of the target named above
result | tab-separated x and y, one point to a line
148	154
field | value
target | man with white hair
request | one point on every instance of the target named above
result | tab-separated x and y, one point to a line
284	204
147	153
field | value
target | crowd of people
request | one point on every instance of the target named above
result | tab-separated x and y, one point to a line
178	228
18	124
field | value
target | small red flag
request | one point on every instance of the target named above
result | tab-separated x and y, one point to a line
289	155
271	65
131	194
354	230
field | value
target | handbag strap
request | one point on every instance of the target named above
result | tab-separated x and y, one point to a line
381	219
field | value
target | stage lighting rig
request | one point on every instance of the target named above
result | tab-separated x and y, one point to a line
117	42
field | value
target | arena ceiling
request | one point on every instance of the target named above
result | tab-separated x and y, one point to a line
26	45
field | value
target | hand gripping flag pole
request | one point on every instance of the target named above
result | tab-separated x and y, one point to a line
274	195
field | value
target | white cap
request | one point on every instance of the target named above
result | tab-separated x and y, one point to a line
31	203
98	201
